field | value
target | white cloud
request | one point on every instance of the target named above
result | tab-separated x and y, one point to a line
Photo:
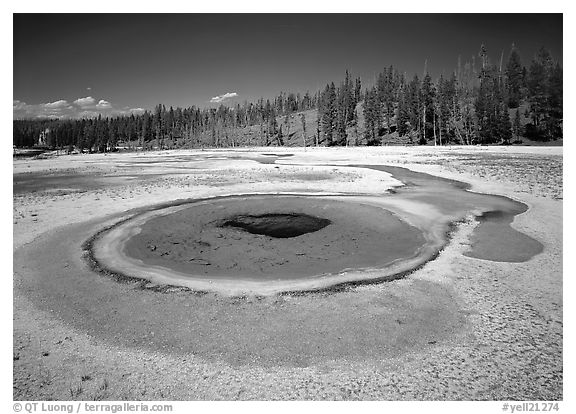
84	102
221	98
86	107
22	110
56	105
56	109
18	105
102	104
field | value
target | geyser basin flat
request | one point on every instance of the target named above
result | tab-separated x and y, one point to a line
195	244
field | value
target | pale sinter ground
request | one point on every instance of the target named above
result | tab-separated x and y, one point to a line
459	328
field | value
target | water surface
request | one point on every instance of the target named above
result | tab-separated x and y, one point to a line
494	238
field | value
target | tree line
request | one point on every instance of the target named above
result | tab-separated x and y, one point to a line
478	103
473	105
165	127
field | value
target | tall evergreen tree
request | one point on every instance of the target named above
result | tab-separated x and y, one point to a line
544	82
329	113
303	121
491	109
357	90
514	81
554	116
386	95
371	117
537	82
428	93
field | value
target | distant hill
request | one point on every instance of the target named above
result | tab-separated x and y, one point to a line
293	133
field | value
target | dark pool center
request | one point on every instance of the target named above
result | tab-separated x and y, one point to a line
281	226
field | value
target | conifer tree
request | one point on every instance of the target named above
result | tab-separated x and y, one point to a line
428	95
371	117
303	120
537	83
544	82
555	105
329	113
514	73
357	90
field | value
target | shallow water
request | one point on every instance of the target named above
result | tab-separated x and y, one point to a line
494	238
39	182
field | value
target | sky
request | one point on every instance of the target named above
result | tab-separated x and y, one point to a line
75	65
